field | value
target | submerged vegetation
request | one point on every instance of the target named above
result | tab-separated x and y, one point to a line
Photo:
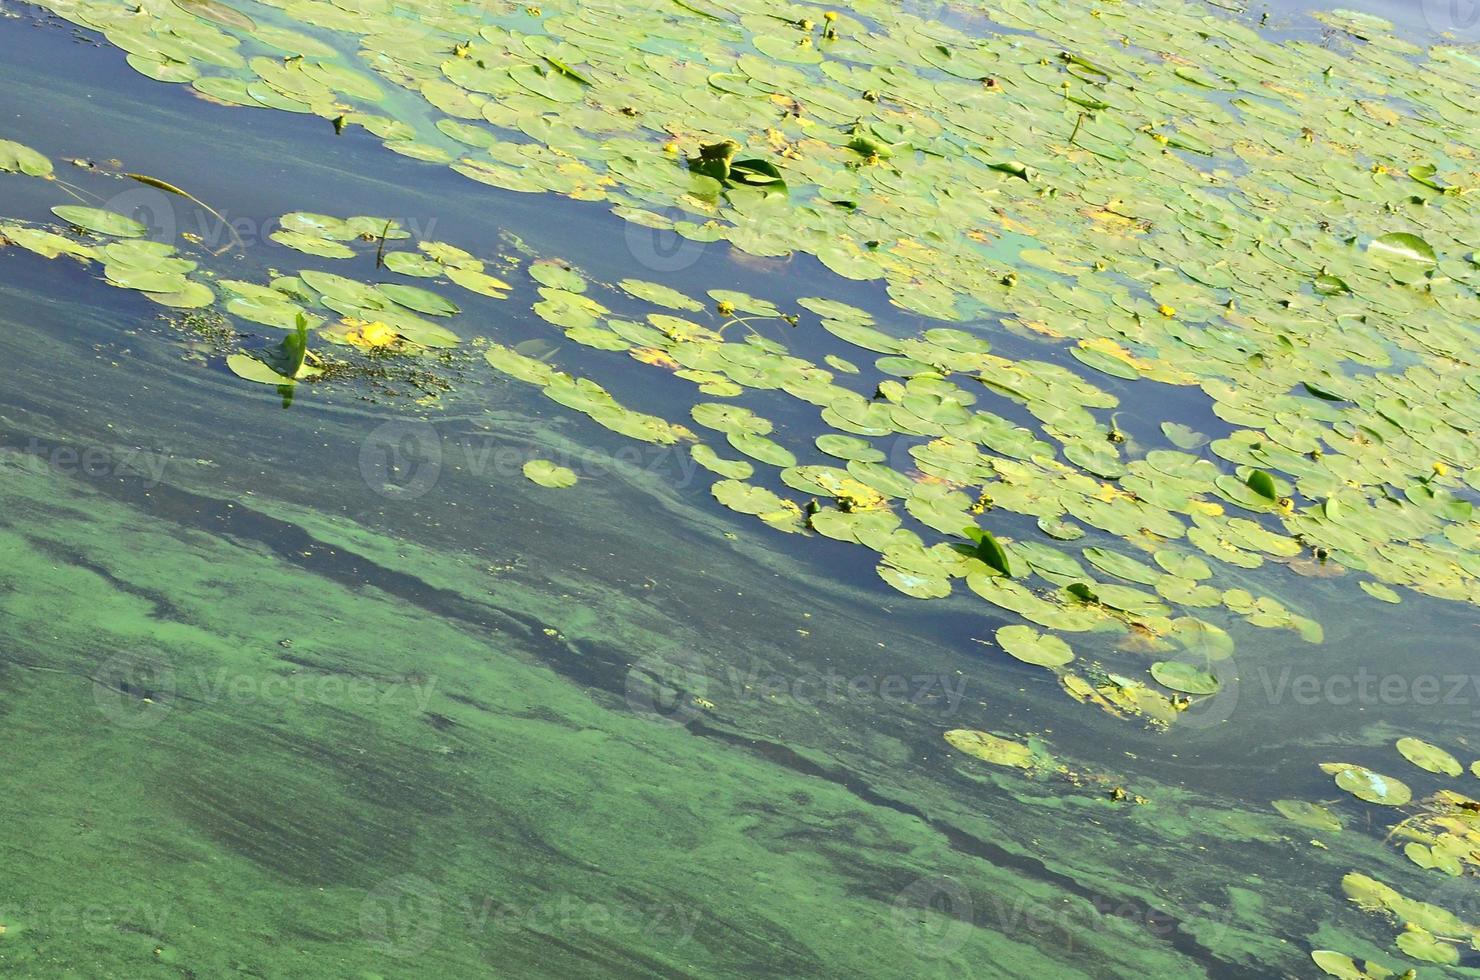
1083	209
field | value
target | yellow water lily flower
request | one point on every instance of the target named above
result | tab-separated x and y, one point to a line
372	335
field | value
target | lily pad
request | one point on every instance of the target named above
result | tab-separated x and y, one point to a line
990	748
1311	815
420	300
548	474
18	158
1430	757
1031	647
1184	677
1367	785
280	365
100	221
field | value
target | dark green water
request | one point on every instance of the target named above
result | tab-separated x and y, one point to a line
288	693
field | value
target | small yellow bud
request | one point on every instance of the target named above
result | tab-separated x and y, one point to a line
805	24
671	146
1167	311
830	16
725	308
1440	469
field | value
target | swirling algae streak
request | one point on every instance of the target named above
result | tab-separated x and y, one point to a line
292	545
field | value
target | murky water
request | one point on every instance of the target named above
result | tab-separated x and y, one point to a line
333	690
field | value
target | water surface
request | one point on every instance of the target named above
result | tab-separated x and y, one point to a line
331	689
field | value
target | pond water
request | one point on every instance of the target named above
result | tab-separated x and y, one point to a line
317	664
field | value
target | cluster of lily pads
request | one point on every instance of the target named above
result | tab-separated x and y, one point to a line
912	464
1156	189
1442	835
1144	286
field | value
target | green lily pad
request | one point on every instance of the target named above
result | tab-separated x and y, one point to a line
733	469
1311	815
1430	757
420	300
548	474
18	158
1184	677
761	448
990	748
1425	946
1405	255
100	221
915	584
280	365
849	447
1183	436
1367	785
1262	484
1379	591
990	550
661	295
1031	647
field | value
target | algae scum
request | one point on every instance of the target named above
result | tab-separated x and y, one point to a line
739	490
